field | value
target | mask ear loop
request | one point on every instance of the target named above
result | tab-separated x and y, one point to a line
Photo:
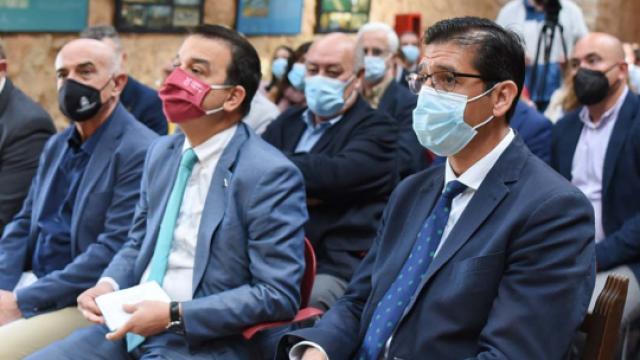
221	107
478	97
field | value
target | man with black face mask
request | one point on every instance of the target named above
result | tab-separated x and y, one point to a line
597	147
80	204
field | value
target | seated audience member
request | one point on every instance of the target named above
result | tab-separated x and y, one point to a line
408	57
274	89
79	207
347	154
293	94
25	128
597	147
534	129
487	257
218	225
376	46
141	101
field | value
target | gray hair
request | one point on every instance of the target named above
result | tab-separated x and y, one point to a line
101	32
392	39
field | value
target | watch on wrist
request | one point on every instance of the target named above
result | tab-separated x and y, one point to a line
175	319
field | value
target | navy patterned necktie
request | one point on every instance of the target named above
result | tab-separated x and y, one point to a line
394	302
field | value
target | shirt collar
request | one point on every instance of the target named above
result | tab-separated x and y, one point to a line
3	81
75	140
307	118
475	175
608	115
213	147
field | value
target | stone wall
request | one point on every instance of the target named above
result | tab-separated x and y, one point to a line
31	56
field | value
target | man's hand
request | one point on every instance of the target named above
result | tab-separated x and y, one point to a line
9	310
87	302
148	318
313	354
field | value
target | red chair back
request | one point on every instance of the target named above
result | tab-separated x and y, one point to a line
309	273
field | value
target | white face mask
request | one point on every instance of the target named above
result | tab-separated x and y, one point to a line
438	121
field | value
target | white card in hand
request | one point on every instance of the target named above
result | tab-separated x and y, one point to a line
111	304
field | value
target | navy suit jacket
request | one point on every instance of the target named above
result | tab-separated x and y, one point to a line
145	105
250	248
349	173
535	130
512	280
102	215
620	184
398	102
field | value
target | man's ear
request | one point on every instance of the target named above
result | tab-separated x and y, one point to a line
3	67
120	81
503	96
235	99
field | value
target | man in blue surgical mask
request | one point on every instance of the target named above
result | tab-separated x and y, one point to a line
489	256
347	153
376	46
408	57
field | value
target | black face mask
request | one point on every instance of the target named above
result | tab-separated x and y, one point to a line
79	102
591	86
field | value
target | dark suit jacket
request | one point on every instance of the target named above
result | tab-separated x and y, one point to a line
250	248
512	280
403	78
24	129
351	170
145	105
102	214
535	130
620	186
398	102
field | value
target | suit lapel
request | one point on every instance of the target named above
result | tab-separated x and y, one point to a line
293	132
618	137
568	149
347	120
420	210
216	202
50	173
98	163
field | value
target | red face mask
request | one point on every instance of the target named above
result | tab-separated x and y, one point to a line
182	96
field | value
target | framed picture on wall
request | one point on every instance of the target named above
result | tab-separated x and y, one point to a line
165	16
269	17
342	15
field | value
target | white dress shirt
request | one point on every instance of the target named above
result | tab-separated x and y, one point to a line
588	160
178	279
472	178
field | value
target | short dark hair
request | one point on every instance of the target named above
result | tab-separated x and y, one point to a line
244	68
100	32
499	53
3	55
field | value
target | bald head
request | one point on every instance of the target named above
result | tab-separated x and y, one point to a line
608	46
335	49
95	52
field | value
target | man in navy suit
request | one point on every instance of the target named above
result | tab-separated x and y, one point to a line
347	153
597	147
376	46
490	256
141	101
218	225
79	207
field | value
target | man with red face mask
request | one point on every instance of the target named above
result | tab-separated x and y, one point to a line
218	225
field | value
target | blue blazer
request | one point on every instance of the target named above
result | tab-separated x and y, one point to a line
512	280
535	130
145	105
398	102
250	248
102	214
620	184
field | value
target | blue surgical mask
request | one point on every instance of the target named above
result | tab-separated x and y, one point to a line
374	68
325	96
411	53
296	76
279	67
438	121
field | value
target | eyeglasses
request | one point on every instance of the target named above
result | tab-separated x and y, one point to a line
440	80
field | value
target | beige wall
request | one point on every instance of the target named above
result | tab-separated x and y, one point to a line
31	56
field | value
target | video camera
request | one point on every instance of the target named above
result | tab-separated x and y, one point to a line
551	10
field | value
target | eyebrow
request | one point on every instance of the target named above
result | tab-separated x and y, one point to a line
201	61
